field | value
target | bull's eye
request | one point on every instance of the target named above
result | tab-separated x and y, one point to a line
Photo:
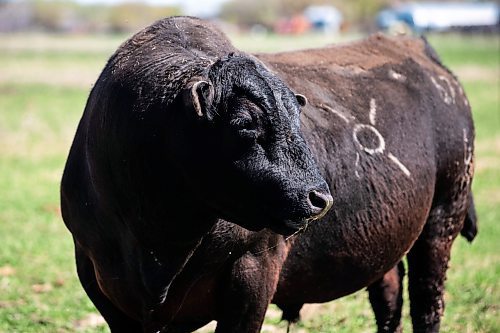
245	126
242	122
245	119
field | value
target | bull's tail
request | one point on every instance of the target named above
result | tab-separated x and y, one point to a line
469	230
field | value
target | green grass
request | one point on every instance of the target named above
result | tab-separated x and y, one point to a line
459	51
44	83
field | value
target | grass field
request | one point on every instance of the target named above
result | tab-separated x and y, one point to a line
44	83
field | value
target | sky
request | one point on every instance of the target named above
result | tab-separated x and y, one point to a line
189	7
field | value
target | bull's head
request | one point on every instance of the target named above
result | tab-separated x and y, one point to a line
244	155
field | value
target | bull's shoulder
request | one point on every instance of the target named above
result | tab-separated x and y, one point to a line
156	63
179	34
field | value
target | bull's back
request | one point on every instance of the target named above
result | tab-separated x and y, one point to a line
378	120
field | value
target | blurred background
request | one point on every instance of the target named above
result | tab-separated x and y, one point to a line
51	52
256	16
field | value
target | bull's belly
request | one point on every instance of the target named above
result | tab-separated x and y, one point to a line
322	267
339	278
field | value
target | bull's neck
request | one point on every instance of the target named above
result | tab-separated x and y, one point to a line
170	241
181	223
175	215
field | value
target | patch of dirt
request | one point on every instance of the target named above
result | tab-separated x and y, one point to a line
476	73
488	155
47	74
89	321
59	282
487	163
39	42
492	145
52	208
492	197
12	304
7	270
8	90
41	288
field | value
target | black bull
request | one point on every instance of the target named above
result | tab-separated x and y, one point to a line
182	131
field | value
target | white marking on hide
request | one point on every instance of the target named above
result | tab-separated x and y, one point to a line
397	76
442	91
338	113
399	164
356	165
373	111
450	87
467	149
381	142
461	92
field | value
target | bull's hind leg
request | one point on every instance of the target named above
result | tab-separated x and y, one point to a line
427	266
386	298
116	319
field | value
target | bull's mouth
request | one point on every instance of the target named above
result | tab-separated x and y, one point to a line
281	227
285	227
288	228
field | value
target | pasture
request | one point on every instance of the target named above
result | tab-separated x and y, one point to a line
44	83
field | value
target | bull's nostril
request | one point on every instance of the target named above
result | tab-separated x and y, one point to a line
320	203
317	201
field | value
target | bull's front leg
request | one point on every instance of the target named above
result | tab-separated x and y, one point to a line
252	282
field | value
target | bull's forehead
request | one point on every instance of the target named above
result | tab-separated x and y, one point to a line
261	84
242	77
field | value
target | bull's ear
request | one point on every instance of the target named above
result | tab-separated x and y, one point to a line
200	96
301	99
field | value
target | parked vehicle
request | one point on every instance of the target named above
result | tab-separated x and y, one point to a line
434	16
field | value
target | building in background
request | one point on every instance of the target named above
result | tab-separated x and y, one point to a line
262	16
327	19
437	16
